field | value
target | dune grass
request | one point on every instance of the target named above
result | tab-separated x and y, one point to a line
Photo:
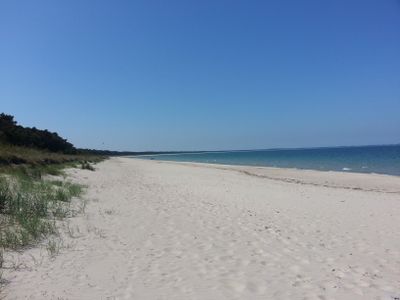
85	165
16	155
10	154
29	207
31	201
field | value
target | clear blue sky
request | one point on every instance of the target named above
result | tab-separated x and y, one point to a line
194	75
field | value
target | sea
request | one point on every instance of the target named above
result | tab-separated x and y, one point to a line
360	159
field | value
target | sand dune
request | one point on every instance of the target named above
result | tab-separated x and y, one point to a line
161	230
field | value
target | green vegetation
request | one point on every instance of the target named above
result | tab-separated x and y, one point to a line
87	166
35	147
31	201
16	155
17	135
29	207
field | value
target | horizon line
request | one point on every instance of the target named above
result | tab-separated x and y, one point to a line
256	149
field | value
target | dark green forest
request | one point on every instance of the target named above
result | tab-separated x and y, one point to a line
13	134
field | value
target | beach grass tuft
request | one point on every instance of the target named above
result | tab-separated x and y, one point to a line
30	204
87	166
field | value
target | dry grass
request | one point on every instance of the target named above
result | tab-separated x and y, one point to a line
15	155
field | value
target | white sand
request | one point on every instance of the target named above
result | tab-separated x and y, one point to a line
158	230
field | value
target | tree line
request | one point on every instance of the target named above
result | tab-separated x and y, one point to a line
14	134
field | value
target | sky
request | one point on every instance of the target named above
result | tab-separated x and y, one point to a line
203	75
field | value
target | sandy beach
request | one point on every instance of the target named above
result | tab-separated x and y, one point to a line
164	230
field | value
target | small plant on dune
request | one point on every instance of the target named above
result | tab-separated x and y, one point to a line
1	258
62	195
74	190
87	166
5	194
109	212
53	247
1	267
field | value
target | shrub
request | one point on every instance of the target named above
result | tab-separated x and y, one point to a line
87	166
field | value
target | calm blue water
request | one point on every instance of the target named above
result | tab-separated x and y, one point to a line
366	159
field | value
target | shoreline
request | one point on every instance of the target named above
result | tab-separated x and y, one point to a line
166	230
334	179
372	159
343	170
